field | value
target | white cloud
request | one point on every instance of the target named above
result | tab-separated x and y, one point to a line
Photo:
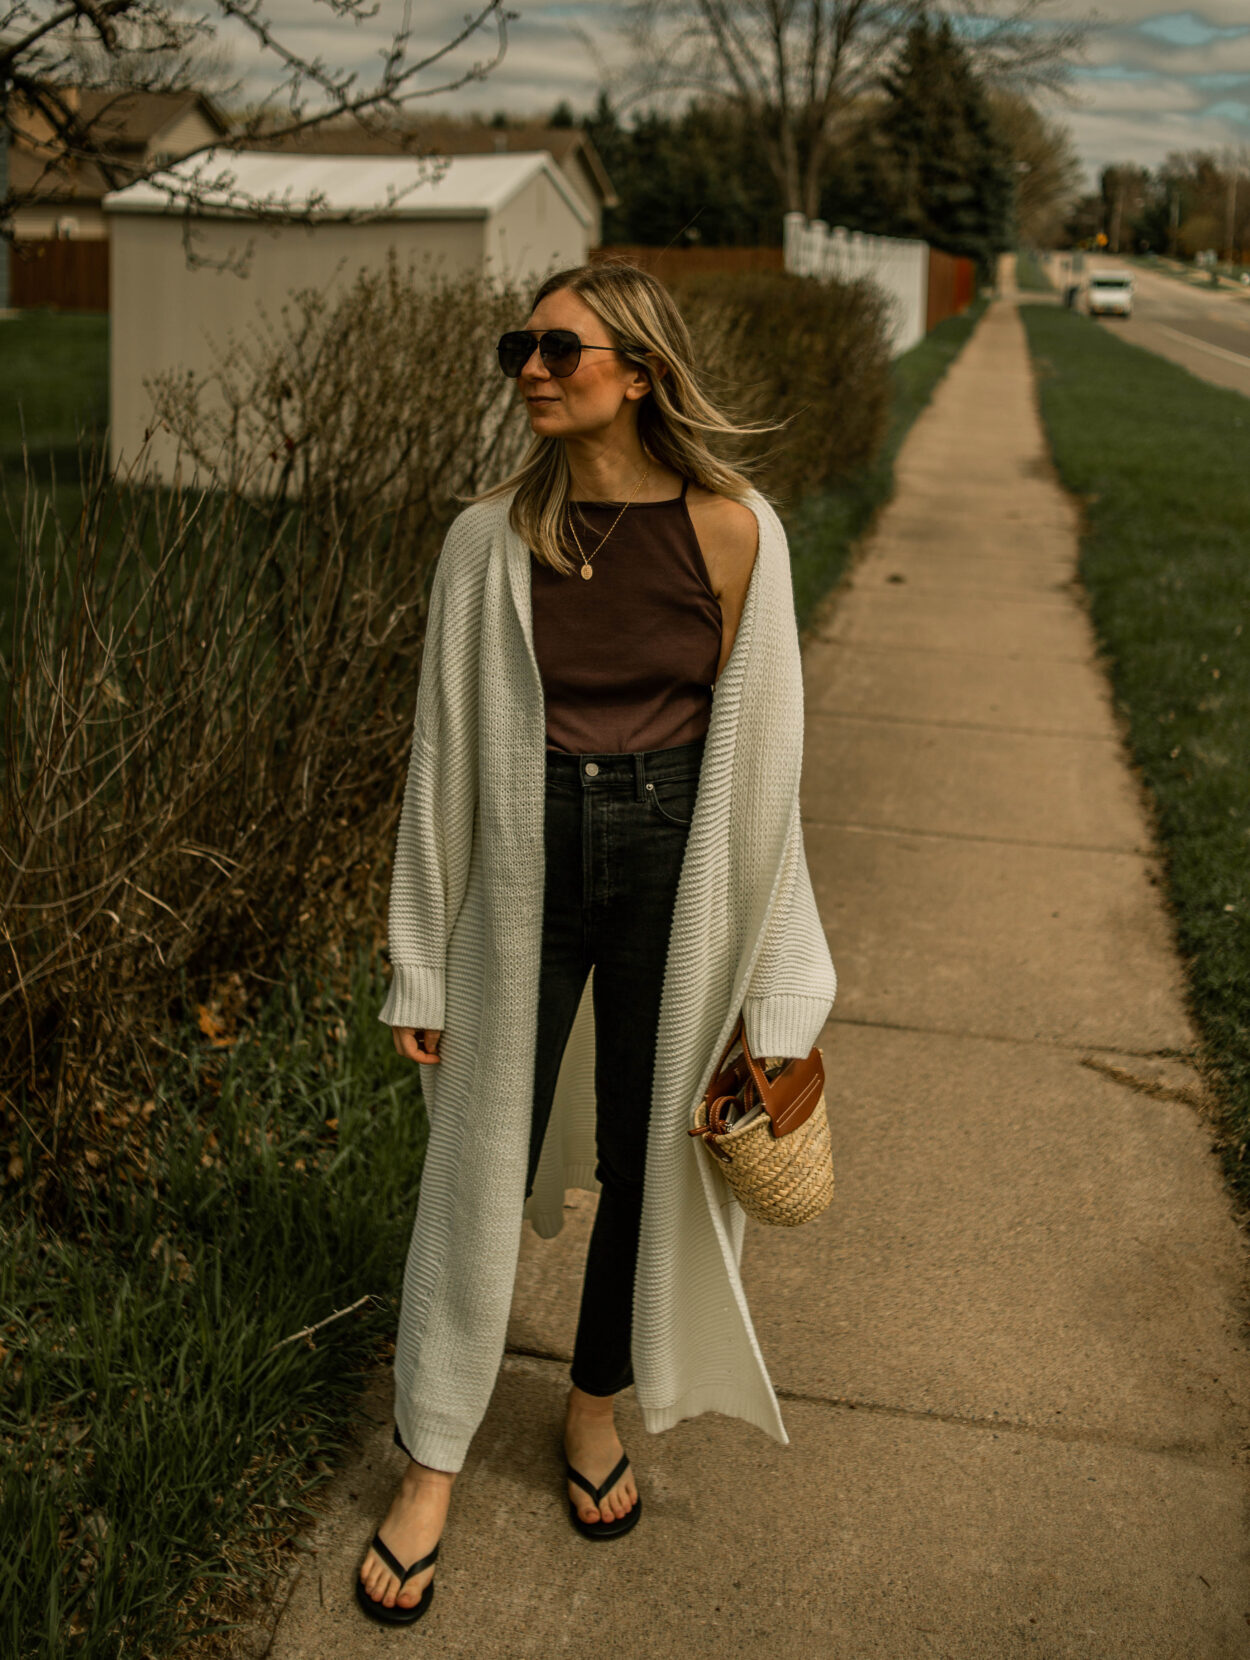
1216	14
1138	93
1106	139
1153	95
545	60
1128	50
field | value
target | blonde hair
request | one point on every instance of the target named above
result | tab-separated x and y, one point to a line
674	421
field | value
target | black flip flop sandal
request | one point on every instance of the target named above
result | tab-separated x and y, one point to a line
396	1615
618	1524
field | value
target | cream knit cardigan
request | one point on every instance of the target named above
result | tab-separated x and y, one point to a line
465	930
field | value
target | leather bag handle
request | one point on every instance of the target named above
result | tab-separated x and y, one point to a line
789	1099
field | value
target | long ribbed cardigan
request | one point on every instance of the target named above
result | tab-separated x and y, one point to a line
465	930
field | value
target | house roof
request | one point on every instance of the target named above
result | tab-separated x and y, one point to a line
342	187
128	118
122	123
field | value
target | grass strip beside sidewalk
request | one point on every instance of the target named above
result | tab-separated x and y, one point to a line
1031	276
1161	463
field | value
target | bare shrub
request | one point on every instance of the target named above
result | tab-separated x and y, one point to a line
812	354
385	403
208	695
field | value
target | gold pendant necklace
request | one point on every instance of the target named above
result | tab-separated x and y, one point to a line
587	573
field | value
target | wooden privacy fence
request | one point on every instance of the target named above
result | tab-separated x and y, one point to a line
60	272
670	264
952	285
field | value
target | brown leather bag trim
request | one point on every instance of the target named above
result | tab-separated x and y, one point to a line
789	1115
789	1099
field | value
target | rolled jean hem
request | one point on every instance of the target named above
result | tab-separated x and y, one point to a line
437	1449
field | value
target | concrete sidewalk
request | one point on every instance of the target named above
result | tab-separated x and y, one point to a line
1011	1354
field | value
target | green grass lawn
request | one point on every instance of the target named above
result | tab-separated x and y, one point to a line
53	399
824	527
1161	462
55	385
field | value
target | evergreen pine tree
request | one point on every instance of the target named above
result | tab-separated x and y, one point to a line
948	179
694	177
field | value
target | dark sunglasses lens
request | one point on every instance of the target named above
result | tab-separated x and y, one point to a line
515	351
561	351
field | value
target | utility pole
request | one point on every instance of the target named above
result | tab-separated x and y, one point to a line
1230	217
1117	213
1174	219
1230	203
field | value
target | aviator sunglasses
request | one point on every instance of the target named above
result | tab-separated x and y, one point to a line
560	349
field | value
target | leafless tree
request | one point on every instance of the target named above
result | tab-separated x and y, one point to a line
1049	174
202	62
795	67
45	45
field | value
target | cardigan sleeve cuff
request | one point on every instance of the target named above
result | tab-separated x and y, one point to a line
784	1024
415	998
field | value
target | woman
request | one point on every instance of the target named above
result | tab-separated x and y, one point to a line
599	864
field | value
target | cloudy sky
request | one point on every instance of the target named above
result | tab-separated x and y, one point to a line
1150	80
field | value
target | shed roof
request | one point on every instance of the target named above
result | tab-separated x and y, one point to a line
341	187
343	136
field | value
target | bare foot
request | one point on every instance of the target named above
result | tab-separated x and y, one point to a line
592	1446
412	1528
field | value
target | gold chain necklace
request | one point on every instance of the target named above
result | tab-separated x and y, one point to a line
587	573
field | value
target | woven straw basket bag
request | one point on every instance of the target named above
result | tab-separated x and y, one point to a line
769	1136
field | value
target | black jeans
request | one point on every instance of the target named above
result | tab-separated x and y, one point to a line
615	834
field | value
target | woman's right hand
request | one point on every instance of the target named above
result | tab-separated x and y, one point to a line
417	1043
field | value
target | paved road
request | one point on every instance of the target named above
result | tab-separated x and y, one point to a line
1206	331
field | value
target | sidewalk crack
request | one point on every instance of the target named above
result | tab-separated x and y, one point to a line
1072	1045
1154	1087
1191	1449
997	728
972	836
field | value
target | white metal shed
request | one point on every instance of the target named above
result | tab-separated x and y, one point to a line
507	215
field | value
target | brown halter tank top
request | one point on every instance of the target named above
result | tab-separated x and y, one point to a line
628	659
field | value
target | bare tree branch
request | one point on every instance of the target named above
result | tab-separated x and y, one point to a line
793	67
41	75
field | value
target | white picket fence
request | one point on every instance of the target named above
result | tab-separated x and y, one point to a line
899	266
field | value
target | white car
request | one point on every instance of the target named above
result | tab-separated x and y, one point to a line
1110	293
